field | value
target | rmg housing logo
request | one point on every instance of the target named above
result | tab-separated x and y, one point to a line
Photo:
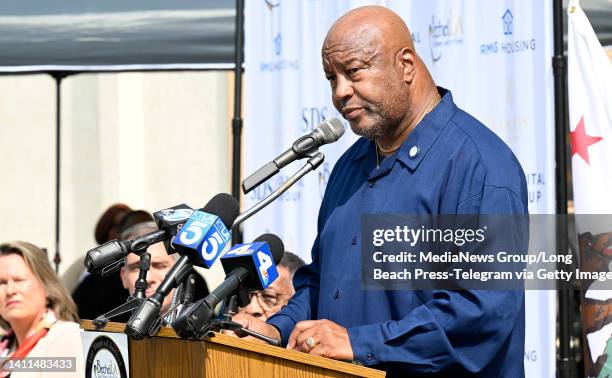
508	45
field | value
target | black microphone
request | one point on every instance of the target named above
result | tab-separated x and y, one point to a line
142	320
249	267
108	257
328	131
186	297
170	221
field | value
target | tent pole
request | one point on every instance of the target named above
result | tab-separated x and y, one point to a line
58	76
237	120
559	62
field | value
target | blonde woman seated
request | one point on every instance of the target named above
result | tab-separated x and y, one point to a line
36	310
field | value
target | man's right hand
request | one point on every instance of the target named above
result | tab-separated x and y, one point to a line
254	324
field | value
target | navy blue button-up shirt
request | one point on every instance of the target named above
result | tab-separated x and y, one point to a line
449	164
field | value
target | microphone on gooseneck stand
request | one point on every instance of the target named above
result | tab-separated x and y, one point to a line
328	131
205	236
182	297
186	297
248	267
108	257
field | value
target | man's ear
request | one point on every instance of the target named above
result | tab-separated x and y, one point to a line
407	60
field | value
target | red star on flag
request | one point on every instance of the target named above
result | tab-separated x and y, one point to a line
581	141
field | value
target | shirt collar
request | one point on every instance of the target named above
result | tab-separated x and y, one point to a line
362	149
420	140
423	136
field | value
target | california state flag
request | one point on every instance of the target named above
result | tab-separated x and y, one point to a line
590	117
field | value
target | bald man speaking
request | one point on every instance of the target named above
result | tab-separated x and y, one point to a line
419	154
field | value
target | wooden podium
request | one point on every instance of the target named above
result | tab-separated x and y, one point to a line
222	356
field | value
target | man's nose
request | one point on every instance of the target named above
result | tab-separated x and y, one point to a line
254	309
154	277
343	91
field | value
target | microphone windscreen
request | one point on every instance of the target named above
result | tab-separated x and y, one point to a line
332	129
277	248
225	207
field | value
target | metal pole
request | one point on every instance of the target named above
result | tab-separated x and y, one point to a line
559	62
237	120
58	76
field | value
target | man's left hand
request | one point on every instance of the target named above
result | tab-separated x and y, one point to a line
327	339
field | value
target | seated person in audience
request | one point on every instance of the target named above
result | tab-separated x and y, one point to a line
161	262
96	295
36	310
265	303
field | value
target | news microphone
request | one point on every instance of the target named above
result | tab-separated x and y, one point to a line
143	319
250	266
205	234
108	257
170	221
186	297
328	131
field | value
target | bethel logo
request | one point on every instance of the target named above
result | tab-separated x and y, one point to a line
444	32
104	360
109	369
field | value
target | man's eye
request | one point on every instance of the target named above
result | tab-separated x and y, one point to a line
353	71
270	299
330	77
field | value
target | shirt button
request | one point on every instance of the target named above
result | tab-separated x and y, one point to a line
354	240
336	294
370	357
414	151
371	184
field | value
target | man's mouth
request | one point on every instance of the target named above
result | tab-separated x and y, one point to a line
351	113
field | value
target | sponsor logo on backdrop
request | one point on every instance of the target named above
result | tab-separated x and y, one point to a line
416	38
278	44
507	22
272	4
536	187
277	62
531	356
444	31
104	360
293	194
508	45
312	116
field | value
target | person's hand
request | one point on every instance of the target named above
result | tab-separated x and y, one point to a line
321	338
254	324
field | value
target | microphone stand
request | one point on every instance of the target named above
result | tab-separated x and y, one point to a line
134	301
183	298
217	325
311	164
182	322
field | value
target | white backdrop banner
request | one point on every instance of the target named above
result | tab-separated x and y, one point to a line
495	56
